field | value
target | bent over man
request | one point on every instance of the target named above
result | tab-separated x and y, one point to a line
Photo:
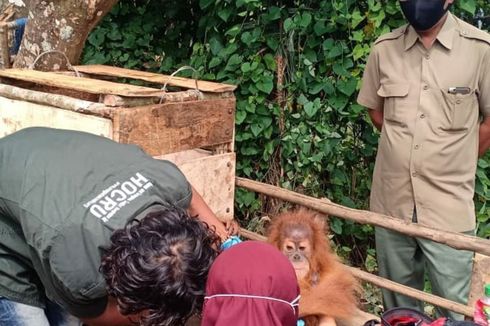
101	230
427	88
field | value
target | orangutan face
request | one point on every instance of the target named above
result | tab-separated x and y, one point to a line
297	247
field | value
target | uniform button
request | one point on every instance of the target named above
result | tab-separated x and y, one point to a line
427	56
426	87
414	174
422	116
417	146
458	101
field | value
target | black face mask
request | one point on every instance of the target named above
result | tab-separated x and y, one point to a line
423	14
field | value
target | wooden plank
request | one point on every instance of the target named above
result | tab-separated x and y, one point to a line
453	239
171	127
82	84
16	115
213	177
185	156
202	85
479	277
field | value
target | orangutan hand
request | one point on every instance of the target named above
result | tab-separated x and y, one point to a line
232	227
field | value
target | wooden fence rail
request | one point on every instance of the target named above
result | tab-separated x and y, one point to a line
452	239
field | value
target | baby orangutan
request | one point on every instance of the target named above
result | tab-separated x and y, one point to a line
328	289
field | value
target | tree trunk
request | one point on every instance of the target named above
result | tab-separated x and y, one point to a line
18	6
58	25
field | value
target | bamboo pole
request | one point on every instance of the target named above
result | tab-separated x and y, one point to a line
58	101
452	239
390	285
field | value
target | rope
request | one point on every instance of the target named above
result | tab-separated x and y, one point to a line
195	72
68	64
293	304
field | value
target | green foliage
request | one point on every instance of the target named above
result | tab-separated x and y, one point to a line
297	124
152	35
482	197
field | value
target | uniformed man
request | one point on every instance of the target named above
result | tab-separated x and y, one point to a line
427	88
102	230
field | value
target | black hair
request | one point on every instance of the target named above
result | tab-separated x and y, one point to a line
159	266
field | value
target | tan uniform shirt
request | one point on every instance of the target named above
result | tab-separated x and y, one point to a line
428	147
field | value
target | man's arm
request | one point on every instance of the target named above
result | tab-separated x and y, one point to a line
368	94
484	136
376	116
199	207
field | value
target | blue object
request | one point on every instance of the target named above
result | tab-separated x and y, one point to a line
231	241
18	26
300	322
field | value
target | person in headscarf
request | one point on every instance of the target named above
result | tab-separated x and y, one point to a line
252	283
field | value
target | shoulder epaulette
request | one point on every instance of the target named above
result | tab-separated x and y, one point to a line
392	35
469	31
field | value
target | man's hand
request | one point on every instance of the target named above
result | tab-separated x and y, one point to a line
199	208
376	116
484	136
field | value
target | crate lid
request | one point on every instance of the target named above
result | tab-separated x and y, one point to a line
97	86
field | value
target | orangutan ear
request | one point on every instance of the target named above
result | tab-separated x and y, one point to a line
322	221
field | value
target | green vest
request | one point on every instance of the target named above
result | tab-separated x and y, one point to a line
62	194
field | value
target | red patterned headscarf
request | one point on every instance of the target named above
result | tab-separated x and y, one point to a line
252	283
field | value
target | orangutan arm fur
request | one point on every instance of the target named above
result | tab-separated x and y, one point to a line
335	295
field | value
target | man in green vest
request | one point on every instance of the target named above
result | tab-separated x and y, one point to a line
101	230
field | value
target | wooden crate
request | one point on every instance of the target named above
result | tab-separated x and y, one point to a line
191	125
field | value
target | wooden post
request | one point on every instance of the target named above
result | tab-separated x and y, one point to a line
480	277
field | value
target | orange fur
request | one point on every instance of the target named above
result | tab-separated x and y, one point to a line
335	294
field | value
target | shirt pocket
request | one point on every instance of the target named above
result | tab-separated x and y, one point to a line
460	111
395	101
